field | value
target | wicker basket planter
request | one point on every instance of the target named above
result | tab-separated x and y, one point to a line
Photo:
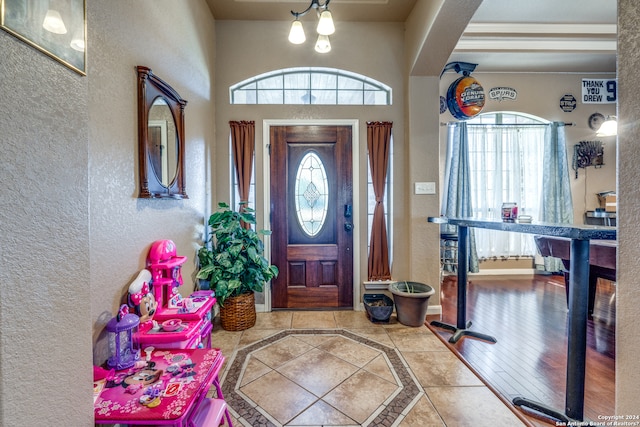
238	313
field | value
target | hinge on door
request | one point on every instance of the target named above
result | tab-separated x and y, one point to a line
269	149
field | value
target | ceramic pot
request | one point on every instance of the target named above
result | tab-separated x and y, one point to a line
412	301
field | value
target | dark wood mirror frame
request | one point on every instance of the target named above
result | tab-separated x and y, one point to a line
151	87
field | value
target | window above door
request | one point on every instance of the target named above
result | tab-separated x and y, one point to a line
310	85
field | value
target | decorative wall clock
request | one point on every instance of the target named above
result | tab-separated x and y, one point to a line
595	121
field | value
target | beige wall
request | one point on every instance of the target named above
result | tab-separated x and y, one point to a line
628	291
176	40
539	94
421	165
74	233
247	49
45	296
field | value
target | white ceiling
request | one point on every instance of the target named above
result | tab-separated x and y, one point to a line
503	35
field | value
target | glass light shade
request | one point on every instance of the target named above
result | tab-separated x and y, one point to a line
323	45
608	128
325	24
296	35
77	42
53	22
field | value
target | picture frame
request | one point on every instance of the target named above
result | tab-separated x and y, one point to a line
57	28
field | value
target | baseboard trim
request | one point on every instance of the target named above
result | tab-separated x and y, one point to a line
505	272
432	309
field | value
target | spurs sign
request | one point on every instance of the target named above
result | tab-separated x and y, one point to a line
501	93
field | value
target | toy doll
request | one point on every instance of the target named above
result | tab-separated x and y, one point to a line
141	298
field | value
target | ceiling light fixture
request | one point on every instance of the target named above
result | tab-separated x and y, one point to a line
324	29
323	45
609	127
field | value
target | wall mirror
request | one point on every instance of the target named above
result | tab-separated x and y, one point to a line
160	138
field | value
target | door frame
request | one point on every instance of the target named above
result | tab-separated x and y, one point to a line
355	180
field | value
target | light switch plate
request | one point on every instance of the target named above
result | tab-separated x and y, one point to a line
425	188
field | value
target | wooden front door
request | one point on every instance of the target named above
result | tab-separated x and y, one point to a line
311	216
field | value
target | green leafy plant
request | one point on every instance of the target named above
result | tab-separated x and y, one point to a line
232	259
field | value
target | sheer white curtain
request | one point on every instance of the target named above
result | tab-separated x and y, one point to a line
506	166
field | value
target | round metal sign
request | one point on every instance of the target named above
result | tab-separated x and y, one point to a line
465	98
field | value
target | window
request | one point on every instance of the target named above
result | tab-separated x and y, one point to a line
311	85
505	161
311	194
235	194
388	203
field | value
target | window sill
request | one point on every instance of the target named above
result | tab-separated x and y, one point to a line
377	284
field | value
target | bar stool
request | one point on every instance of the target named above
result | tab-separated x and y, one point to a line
448	251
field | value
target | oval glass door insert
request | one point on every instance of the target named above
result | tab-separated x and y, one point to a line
311	194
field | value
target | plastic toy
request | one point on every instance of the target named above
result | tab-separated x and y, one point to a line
141	298
178	322
123	352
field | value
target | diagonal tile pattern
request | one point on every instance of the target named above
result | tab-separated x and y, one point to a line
338	369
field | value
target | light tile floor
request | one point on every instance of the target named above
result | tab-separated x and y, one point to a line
336	368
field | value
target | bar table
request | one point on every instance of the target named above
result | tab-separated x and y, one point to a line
580	236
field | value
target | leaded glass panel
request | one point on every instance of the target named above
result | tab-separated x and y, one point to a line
311	194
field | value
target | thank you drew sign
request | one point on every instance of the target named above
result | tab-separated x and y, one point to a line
599	91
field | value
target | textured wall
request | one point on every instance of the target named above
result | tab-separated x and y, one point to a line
628	291
44	278
421	162
175	40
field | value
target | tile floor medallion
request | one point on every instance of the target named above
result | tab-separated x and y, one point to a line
309	377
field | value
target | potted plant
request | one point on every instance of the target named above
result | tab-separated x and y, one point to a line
232	261
412	301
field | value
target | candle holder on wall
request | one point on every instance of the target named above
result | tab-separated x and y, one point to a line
588	153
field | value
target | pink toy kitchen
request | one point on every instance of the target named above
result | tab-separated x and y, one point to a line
161	364
167	320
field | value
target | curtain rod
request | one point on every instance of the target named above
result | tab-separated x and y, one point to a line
507	124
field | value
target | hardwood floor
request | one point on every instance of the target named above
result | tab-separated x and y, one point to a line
528	316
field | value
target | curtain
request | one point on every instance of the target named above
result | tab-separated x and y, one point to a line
456	197
556	204
379	144
505	166
243	145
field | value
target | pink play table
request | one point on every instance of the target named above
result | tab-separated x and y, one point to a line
180	378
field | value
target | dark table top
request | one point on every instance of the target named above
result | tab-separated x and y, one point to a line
571	231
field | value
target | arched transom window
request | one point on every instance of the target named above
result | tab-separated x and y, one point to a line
310	85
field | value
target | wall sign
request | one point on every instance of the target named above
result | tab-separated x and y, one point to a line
568	103
465	98
501	93
599	91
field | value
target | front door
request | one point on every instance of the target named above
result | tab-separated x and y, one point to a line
311	216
